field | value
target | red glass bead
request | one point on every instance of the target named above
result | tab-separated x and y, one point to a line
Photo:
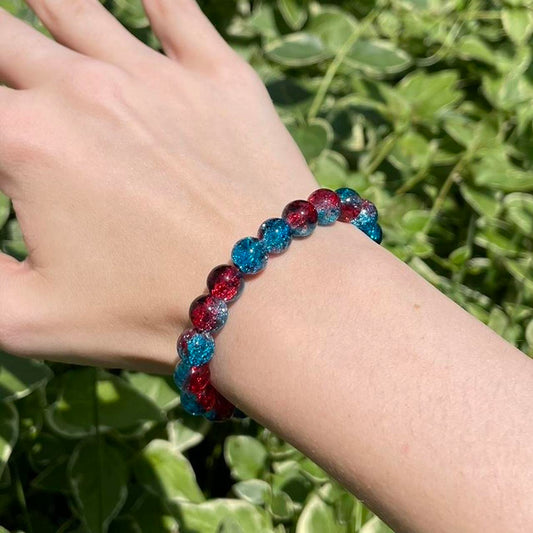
301	217
225	282
350	204
208	313
223	407
207	397
198	379
327	205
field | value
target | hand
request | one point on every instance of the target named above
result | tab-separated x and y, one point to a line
132	174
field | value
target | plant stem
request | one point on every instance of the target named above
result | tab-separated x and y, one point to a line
336	63
19	490
445	189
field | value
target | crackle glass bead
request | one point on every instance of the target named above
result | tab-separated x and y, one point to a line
196	347
327	205
208	313
207	398
181	373
222	410
375	233
249	255
198	379
225	282
239	414
190	403
367	217
301	217
275	233
350	204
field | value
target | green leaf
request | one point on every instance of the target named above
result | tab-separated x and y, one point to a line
330	169
9	428
313	138
245	456
294	13
164	471
472	47
518	24
494	170
187	432
519	207
20	377
98	478
377	57
529	334
375	525
411	151
159	389
333	27
484	201
297	50
54	478
206	517
119	405
430	94
152	516
5	209
318	517
254	491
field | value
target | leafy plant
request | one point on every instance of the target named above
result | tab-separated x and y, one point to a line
421	105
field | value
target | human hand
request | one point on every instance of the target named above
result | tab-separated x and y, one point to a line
131	173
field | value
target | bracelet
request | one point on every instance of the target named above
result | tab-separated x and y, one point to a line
208	313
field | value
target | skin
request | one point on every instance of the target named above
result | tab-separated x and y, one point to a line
132	175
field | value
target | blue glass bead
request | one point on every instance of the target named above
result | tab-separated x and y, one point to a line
367	217
375	233
327	204
196	348
190	404
275	234
350	204
249	255
181	373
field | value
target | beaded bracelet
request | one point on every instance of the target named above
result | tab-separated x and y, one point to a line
209	312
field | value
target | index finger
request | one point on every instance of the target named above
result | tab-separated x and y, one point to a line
28	58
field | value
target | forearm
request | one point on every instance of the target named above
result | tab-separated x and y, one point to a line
394	389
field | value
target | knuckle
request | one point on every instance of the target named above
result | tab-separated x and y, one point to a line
98	82
55	10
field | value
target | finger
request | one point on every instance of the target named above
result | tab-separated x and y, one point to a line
28	58
185	32
87	27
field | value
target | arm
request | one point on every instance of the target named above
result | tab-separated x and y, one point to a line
413	404
413	408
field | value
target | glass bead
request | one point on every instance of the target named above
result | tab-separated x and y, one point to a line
239	414
350	204
375	233
301	217
225	282
222	410
191	404
208	313
249	255
196	348
181	373
198	379
327	205
207	398
275	233
367	216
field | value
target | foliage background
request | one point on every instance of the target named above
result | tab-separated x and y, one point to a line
422	105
